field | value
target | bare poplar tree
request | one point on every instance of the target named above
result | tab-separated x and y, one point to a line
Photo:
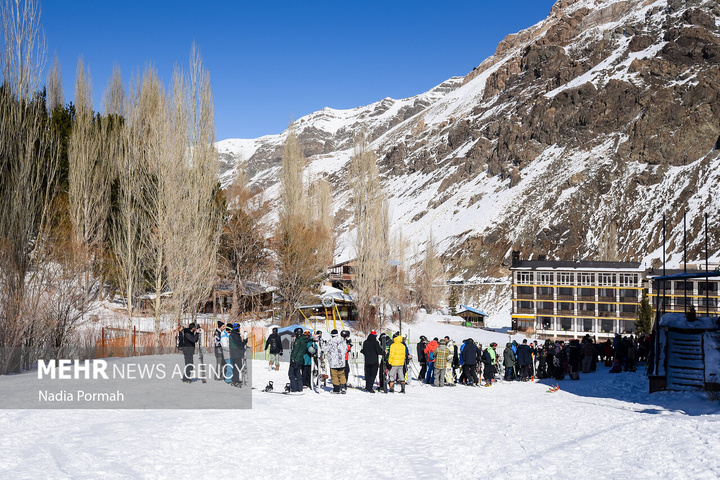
88	180
28	166
372	242
322	212
298	237
191	243
429	271
54	86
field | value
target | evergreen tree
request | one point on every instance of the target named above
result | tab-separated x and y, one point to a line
453	300
644	322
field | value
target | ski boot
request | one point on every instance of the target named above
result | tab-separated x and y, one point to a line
402	387
287	388
269	387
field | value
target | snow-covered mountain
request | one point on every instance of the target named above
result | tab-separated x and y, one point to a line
571	141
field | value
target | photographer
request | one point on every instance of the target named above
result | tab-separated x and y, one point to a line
190	338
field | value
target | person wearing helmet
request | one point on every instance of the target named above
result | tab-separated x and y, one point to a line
275	344
422	358
335	349
297	353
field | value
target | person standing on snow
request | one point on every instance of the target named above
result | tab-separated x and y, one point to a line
509	362
217	348
430	352
190	338
297	360
469	354
310	352
237	353
422	357
441	356
372	351
396	359
273	341
524	360
489	357
335	350
225	345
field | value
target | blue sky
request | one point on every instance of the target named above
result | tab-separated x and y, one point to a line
272	61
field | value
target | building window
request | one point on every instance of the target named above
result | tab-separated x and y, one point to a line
545	278
606	292
628	293
587	293
566	306
565	324
545	291
565	291
606	307
587	278
565	278
606	326
628	279
710	287
683	286
606	278
628	308
587	324
525	277
627	326
586	307
525	290
546	322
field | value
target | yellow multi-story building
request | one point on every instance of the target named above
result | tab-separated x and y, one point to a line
566	299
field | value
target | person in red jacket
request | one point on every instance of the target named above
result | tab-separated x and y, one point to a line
430	352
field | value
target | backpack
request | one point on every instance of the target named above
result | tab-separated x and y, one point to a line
181	339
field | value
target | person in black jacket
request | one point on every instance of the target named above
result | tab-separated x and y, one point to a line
422	359
524	359
489	366
276	351
470	353
372	351
217	348
190	338
237	353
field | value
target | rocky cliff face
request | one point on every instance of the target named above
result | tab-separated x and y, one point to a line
571	141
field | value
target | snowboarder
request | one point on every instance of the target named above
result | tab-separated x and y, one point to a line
372	351
275	344
335	349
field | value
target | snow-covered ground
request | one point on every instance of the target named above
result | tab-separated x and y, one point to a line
603	426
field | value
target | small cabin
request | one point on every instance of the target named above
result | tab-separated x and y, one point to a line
472	317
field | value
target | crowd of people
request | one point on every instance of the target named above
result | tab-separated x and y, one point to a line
229	347
388	360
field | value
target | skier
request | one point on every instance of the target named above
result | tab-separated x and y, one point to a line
422	358
217	347
189	338
273	341
297	360
371	350
335	349
398	353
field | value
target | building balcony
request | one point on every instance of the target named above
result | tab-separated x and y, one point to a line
546	311
566	312
629	300
607	299
566	297
525	296
587	298
524	310
628	314
545	297
607	314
